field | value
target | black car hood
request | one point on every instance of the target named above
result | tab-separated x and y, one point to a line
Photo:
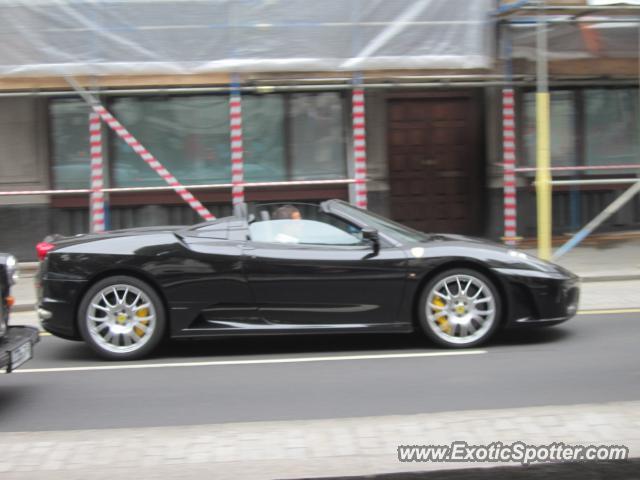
451	237
472	242
488	252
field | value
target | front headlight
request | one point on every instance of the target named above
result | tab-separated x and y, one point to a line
12	269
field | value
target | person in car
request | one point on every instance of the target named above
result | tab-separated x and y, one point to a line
290	232
287	212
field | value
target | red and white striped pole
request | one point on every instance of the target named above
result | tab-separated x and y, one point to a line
237	153
97	174
509	164
359	147
137	147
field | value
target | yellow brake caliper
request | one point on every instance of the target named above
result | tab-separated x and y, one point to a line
443	321
142	313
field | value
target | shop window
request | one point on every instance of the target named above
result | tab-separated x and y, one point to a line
286	137
317	136
263	138
188	135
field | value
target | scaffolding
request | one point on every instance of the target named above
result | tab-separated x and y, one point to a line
522	15
82	38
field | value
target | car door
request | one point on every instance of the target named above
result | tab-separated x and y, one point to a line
324	285
209	290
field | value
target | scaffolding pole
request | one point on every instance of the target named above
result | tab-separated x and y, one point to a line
237	151
359	143
509	148
97	207
543	177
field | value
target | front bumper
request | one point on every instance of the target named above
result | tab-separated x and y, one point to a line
540	298
13	342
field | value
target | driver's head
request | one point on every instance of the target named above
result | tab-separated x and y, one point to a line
287	212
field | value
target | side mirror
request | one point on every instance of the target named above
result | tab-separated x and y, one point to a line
372	235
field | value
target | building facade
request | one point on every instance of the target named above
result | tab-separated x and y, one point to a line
432	103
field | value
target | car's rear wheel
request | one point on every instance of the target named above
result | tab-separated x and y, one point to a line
459	308
121	318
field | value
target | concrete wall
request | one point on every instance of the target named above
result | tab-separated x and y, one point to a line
23	148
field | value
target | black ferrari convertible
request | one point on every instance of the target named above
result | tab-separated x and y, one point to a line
291	269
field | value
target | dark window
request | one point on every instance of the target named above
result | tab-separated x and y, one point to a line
317	136
589	126
70	144
286	137
188	135
563	129
263	138
611	128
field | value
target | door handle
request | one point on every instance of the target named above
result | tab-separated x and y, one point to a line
247	251
428	162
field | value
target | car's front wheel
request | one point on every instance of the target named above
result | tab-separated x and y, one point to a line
459	308
121	318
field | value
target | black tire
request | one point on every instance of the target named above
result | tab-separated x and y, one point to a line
429	328
155	337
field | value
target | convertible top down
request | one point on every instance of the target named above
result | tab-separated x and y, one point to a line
291	269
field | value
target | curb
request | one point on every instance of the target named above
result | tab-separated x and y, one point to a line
609	278
24	307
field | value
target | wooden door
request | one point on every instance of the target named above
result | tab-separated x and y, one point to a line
435	162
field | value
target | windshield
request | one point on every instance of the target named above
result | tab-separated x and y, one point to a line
395	230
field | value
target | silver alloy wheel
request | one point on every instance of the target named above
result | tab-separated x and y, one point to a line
460	309
121	318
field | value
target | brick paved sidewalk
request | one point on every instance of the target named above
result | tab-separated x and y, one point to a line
294	449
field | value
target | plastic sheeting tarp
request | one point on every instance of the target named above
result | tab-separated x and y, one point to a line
45	37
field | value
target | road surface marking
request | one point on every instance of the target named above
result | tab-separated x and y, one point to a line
609	311
251	362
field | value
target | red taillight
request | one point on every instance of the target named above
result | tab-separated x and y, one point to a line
43	248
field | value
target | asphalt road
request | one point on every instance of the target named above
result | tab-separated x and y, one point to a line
591	359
